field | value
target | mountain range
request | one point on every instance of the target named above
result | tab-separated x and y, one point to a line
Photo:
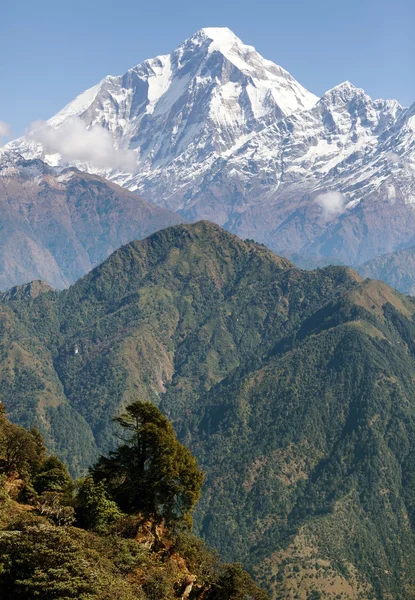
294	389
396	268
215	131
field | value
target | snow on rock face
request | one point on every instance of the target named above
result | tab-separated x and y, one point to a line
189	106
76	107
221	133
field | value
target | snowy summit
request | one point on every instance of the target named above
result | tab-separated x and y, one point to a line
214	130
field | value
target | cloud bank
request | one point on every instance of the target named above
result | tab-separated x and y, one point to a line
5	130
76	143
332	204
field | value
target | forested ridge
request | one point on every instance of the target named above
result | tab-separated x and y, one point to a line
294	390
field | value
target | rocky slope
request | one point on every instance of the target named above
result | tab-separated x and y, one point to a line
59	223
216	131
293	388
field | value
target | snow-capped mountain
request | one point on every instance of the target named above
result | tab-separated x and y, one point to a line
216	131
297	179
179	112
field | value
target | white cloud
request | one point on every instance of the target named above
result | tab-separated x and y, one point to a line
5	130
402	162
393	157
332	203
74	142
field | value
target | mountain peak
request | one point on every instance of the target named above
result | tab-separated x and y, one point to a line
218	34
209	93
344	87
224	41
223	38
346	92
211	39
343	92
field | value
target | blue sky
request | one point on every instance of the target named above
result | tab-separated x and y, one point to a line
51	51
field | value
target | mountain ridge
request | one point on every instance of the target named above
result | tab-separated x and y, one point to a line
293	388
59	223
396	268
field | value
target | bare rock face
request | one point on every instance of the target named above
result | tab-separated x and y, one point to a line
57	224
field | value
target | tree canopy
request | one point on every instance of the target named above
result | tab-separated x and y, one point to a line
96	552
20	450
151	472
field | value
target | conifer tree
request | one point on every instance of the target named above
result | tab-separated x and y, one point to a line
151	472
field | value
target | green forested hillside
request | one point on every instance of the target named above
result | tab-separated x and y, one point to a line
63	540
294	389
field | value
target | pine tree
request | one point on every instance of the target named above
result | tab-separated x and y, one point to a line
151	472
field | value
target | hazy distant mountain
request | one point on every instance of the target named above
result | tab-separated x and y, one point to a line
397	269
57	224
216	131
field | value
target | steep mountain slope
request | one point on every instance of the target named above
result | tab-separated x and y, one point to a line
294	389
220	133
180	111
383	191
57	224
319	182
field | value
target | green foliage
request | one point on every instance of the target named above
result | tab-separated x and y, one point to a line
235	584
43	556
295	391
52	505
51	563
4	495
201	560
53	476
41	481
94	509
152	473
20	450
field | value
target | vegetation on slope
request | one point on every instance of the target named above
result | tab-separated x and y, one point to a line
295	391
59	544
